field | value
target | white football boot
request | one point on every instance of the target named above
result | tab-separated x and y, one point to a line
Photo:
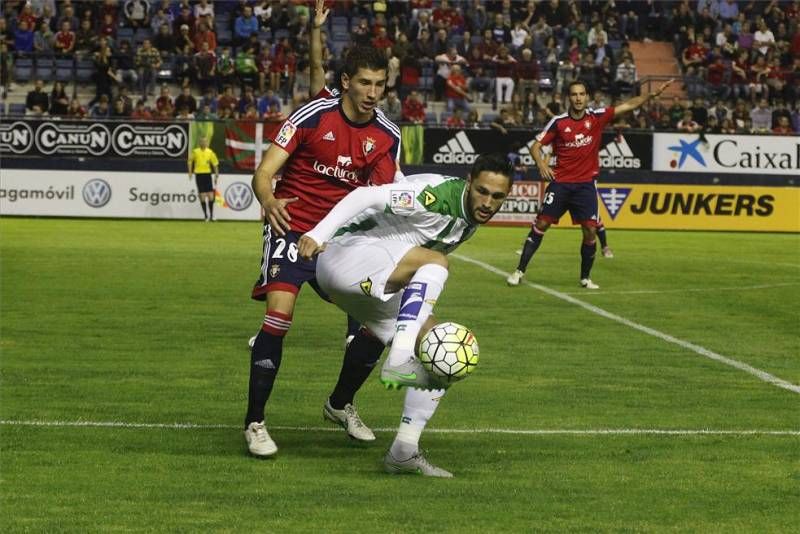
607	252
349	420
586	283
417	464
515	278
258	441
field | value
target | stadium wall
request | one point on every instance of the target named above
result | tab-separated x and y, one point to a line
647	180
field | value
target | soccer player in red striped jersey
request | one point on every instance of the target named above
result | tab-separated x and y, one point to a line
327	147
576	137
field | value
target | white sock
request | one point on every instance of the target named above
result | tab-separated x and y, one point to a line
416	306
419	407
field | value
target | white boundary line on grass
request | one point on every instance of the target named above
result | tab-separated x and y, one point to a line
702	351
511	431
683	290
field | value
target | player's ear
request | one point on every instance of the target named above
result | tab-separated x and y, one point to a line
345	79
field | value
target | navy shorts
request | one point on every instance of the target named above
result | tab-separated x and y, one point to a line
203	180
580	199
282	269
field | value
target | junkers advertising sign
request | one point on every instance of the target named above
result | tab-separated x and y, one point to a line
93	139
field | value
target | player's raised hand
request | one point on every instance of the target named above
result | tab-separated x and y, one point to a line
307	248
320	13
278	217
663	87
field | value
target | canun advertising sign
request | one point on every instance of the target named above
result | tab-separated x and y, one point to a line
735	154
83	138
693	207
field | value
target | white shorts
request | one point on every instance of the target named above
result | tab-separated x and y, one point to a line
354	271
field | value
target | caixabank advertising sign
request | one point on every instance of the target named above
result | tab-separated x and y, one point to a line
700	207
734	154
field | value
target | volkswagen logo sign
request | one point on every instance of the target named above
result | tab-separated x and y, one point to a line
96	193
238	196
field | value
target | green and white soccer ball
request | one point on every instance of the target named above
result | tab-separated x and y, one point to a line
449	352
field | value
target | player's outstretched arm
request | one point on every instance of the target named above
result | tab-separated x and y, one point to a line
355	203
637	101
274	208
317	74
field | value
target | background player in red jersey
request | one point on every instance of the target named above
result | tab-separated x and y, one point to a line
327	148
575	137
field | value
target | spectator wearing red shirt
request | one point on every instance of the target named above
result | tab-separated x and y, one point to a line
204	35
783	127
526	73
503	72
64	40
695	54
28	16
413	108
443	15
164	101
382	40
715	77
456	90
455	121
107	28
141	113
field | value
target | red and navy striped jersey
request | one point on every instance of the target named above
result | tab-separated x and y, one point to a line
330	156
576	144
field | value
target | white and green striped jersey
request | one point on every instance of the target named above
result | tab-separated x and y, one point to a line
427	210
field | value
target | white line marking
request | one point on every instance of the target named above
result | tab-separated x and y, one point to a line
702	351
684	290
538	432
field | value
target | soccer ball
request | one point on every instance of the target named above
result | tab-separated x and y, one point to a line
449	352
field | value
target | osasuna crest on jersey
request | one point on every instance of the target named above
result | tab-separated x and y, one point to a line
369	145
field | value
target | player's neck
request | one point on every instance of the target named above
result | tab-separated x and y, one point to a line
577	115
352	115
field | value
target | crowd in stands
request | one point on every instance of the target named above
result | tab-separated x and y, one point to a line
740	60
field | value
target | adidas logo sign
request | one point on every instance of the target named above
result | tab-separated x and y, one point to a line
265	364
614	198
456	150
329	137
618	155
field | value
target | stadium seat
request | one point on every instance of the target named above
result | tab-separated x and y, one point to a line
224	35
488	118
141	35
23	69
281	34
44	68
431	118
84	70
125	34
16	109
265	35
339	21
64	69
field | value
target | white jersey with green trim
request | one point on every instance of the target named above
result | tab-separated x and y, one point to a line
427	210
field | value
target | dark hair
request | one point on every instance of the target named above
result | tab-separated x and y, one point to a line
364	57
495	162
577	82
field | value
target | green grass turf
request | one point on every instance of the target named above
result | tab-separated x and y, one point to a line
146	322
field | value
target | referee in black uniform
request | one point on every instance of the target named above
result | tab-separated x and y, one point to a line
202	162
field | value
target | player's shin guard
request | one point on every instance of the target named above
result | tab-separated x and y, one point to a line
587	257
360	358
601	235
353	326
419	407
416	306
265	360
532	243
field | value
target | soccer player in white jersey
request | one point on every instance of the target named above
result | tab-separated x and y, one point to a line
385	264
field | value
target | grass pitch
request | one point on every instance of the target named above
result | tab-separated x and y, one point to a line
111	323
